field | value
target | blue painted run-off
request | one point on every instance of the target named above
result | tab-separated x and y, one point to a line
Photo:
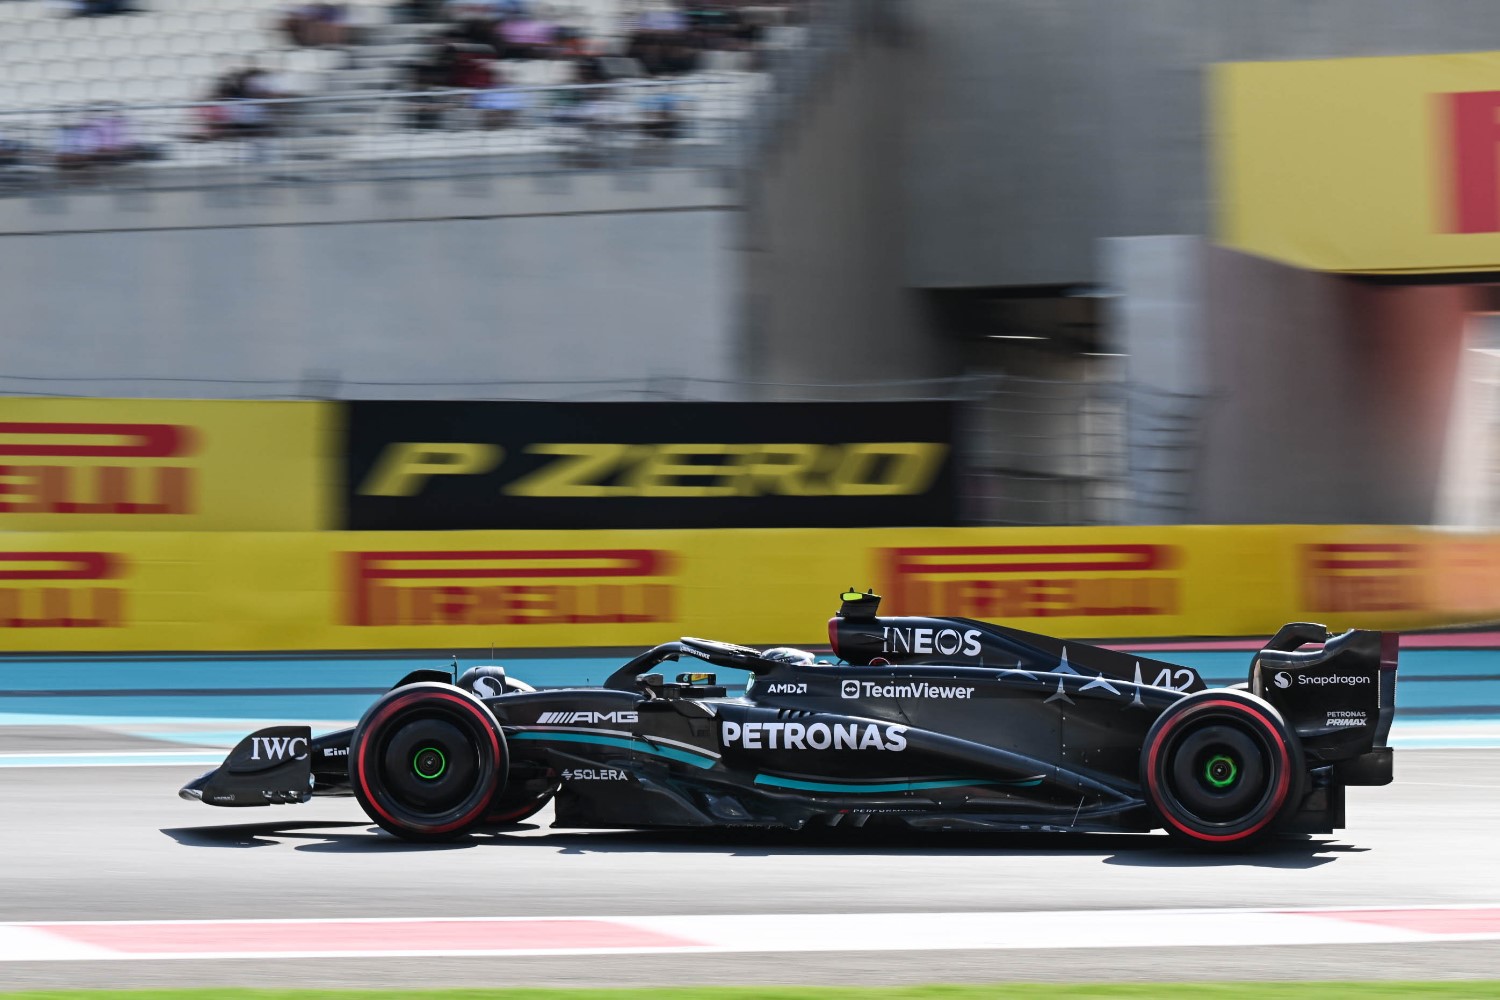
1434	682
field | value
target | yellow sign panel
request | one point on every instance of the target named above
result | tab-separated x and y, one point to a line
1387	164
112	591
164	465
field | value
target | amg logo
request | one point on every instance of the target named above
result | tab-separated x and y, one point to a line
812	736
278	748
786	689
945	641
575	718
919	689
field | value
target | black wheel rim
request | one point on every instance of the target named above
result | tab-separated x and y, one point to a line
1218	773
431	765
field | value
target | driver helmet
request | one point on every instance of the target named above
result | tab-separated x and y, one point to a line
789	654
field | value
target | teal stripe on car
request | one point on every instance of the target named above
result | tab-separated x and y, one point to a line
890	786
622	743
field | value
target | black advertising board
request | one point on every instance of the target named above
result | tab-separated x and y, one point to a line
450	465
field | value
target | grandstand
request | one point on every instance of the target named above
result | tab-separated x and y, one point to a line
174	72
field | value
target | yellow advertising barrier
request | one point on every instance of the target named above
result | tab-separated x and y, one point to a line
165	465
1387	164
524	590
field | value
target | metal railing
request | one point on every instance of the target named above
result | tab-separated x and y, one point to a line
694	121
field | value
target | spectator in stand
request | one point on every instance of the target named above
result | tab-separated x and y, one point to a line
75	146
100	8
418	11
471	71
436	71
314	25
664	38
98	138
525	37
661	115
498	104
455	65
13	151
478	33
660	19
588	68
236	109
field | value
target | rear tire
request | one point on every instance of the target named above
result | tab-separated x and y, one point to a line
1220	768
426	761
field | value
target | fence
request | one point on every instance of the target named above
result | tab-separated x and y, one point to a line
410	134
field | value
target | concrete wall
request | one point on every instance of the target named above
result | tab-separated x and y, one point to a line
1314	398
828	300
1034	127
288	290
1471	462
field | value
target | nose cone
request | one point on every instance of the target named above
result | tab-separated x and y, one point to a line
193	790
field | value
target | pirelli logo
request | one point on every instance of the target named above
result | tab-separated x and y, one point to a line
1465	578
1033	581
61	590
96	468
510	587
1363	577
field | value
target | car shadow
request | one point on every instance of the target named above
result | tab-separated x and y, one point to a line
360	838
1126	849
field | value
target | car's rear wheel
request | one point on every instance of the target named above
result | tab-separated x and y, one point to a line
1220	768
426	761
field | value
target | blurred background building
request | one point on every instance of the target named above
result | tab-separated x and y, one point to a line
1066	216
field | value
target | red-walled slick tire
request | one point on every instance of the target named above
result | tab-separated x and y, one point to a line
427	760
1220	768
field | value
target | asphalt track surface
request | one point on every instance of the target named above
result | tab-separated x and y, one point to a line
115	843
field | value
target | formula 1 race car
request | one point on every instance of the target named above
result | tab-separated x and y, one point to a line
930	723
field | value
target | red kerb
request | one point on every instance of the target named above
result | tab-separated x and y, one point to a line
1444	921
333	935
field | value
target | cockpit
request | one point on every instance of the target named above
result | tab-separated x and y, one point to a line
793	655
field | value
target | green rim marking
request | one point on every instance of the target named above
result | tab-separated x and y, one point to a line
1225	782
442	764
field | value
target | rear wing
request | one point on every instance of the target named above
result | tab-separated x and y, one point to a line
1337	692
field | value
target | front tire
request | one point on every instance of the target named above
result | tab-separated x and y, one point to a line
1220	768
523	798
426	761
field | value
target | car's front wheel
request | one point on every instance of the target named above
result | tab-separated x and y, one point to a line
1220	768
427	760
525	795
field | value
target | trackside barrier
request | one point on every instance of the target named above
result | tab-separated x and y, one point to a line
166	465
280	590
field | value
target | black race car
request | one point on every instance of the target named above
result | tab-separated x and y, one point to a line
930	723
